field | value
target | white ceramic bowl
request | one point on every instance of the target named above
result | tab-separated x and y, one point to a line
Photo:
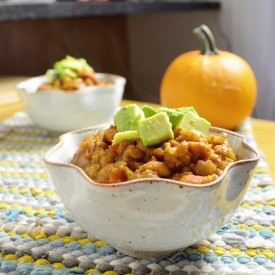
62	111
149	217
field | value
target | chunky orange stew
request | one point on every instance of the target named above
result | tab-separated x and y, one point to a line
191	157
74	84
71	74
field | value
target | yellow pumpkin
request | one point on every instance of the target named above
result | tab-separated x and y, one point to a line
220	85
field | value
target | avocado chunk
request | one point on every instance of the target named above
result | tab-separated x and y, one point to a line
184	110
68	72
68	66
191	120
125	136
128	118
52	74
155	129
74	64
148	111
175	116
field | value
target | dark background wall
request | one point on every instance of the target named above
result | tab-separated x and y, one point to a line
138	47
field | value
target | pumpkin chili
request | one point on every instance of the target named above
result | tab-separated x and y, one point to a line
191	157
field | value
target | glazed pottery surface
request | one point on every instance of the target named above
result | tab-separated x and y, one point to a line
63	111
149	217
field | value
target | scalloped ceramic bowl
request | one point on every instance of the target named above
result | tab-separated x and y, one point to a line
149	217
62	111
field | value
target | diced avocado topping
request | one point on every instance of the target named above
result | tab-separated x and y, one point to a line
74	64
175	116
191	120
184	110
128	118
155	126
52	74
155	129
68	66
68	72
125	136
148	111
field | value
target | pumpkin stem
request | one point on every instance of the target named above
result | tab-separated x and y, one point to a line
207	40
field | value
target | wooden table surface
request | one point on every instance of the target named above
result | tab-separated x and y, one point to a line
263	130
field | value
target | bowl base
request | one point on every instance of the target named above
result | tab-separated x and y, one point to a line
147	254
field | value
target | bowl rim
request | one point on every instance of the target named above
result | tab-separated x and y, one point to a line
119	80
213	129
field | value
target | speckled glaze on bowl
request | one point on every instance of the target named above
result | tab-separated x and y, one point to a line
149	217
62	111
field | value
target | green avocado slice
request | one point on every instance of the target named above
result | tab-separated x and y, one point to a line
191	120
184	110
155	129
52	74
148	111
175	116
68	72
128	118
125	136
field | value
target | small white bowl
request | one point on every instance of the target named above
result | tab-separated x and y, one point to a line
149	217
62	111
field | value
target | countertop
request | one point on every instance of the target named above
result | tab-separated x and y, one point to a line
263	130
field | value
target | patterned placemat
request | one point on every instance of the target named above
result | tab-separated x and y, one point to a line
38	236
